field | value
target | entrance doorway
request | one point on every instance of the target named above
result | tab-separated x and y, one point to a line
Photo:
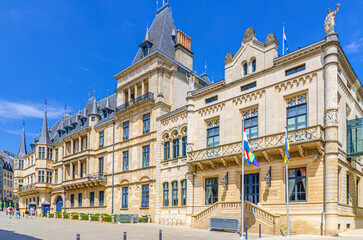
252	188
59	204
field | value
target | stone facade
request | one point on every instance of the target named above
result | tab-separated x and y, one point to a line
183	146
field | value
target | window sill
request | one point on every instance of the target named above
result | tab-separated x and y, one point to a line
144	207
124	208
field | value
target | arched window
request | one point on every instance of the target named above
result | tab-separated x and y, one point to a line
254	65
166	151
184	146
245	68
184	192
175	148
166	194
175	193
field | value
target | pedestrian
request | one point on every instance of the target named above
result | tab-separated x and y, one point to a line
17	213
26	213
32	212
10	211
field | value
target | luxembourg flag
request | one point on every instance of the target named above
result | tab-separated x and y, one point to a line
248	154
284	39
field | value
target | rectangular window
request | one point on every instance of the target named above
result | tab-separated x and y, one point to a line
101	139
213	136
175	193
251	127
79	199
101	198
184	193
184	146
41	176
81	144
166	194
297	184
49	153
74	146
296	116
166	151
43	152
125	197
175	148
211	190
72	200
145	196
73	171
81	170
146	123
249	86
347	196
145	156
56	155
100	165
125	134
295	70
56	176
92	198
125	161
212	99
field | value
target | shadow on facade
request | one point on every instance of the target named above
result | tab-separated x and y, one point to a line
5	235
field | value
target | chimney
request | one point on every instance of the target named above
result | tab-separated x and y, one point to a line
183	53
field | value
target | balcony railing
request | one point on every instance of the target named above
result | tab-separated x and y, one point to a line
26	188
303	135
97	176
144	97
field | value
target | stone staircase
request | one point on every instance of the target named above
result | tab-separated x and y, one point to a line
283	231
254	215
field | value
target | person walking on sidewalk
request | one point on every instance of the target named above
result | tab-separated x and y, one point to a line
26	213
10	211
32	212
17	213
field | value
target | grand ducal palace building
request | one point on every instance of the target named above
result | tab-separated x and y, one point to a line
167	143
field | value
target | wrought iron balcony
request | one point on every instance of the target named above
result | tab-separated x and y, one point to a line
144	97
97	176
26	188
296	137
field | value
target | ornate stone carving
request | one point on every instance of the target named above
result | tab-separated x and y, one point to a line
249	33
296	100
191	80
329	23
213	123
331	117
228	57
270	37
250	113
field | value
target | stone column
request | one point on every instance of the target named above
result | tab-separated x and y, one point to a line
331	132
142	87
136	91
129	94
79	143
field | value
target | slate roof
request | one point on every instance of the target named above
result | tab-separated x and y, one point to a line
8	161
160	34
22	148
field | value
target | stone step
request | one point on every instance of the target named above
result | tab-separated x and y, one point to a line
283	231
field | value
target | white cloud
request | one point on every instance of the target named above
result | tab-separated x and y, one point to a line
84	68
16	110
355	46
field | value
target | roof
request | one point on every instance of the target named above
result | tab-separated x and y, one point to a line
160	34
8	160
22	148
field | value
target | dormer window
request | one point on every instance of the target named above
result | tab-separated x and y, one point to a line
83	121
254	65
60	134
105	114
145	51
74	126
245	69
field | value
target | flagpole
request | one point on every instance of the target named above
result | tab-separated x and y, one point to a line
242	182
287	192
283	40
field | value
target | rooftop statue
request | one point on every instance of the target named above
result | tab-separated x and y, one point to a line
329	23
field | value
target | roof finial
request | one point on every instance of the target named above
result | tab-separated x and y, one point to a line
205	66
157	5
108	93
65	108
89	92
23	122
45	103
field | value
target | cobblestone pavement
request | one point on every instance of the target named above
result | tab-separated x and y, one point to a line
58	229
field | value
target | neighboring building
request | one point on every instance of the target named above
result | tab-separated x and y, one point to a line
168	143
6	178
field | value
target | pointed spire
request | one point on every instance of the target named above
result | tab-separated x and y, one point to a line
94	109
147	33
32	145
22	148
44	137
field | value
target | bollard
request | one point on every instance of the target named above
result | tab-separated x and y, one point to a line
89	217
100	218
148	219
160	235
70	216
48	215
80	216
259	231
55	215
113	218
124	235
78	236
62	215
246	233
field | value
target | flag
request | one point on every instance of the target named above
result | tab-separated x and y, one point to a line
284	39
248	155
287	147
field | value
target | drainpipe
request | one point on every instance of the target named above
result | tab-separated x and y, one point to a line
113	161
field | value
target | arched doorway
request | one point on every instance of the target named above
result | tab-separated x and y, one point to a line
59	204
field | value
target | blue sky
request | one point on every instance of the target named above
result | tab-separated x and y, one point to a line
61	49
